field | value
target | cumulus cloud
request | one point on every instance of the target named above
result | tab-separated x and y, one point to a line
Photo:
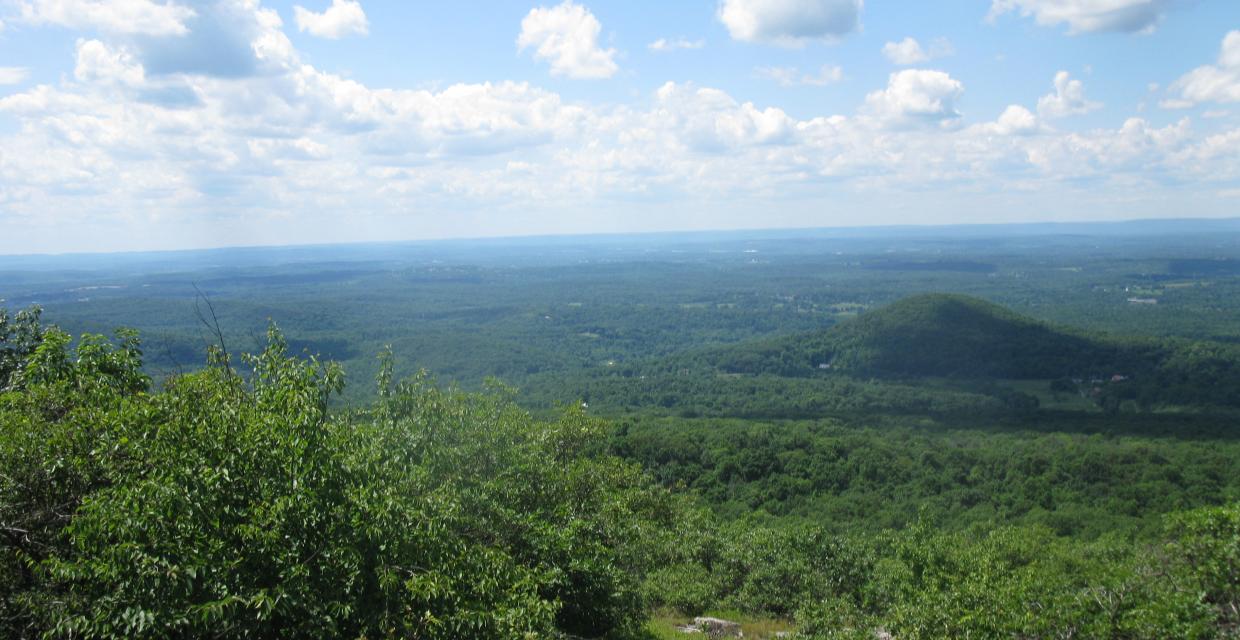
908	51
791	76
712	121
1015	120
307	155
917	96
1067	100
220	38
13	75
665	44
99	63
1219	82
135	17
567	37
1086	16
342	18
790	22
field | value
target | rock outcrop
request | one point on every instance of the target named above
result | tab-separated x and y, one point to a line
713	628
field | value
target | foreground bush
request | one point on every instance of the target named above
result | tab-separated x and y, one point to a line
238	506
1009	582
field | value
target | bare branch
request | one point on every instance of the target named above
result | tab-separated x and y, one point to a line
212	325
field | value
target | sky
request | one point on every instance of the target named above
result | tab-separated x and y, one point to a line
173	124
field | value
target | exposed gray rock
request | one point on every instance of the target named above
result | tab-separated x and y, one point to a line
716	628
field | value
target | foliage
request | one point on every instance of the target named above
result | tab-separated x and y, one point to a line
1208	541
923	582
19	336
62	437
961	469
233	505
756	569
875	475
1015	583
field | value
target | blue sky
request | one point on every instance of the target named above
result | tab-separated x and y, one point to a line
158	124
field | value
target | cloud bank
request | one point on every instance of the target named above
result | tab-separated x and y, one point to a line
225	134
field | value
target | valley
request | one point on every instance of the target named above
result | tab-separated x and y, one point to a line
797	423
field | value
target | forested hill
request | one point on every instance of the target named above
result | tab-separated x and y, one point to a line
939	335
923	352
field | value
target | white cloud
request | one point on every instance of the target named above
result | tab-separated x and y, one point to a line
13	75
908	51
664	44
97	62
1068	99
114	155
710	120
1219	82
790	22
1084	16
221	38
135	17
342	18
567	36
916	96
1015	120
1176	103
791	76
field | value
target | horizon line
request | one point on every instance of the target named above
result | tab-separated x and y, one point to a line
910	226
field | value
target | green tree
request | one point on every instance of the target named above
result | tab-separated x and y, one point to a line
239	505
20	334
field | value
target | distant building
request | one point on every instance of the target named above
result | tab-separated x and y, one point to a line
1143	301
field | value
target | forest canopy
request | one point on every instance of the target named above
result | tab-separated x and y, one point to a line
231	502
235	501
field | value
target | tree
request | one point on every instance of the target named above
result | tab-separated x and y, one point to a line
20	335
240	505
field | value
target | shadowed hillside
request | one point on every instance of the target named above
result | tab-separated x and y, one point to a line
938	335
929	353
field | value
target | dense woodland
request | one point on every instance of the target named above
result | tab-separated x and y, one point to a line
935	436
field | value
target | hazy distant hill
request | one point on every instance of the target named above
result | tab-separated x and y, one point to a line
933	352
939	335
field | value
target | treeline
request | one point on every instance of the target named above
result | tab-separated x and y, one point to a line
850	478
698	393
